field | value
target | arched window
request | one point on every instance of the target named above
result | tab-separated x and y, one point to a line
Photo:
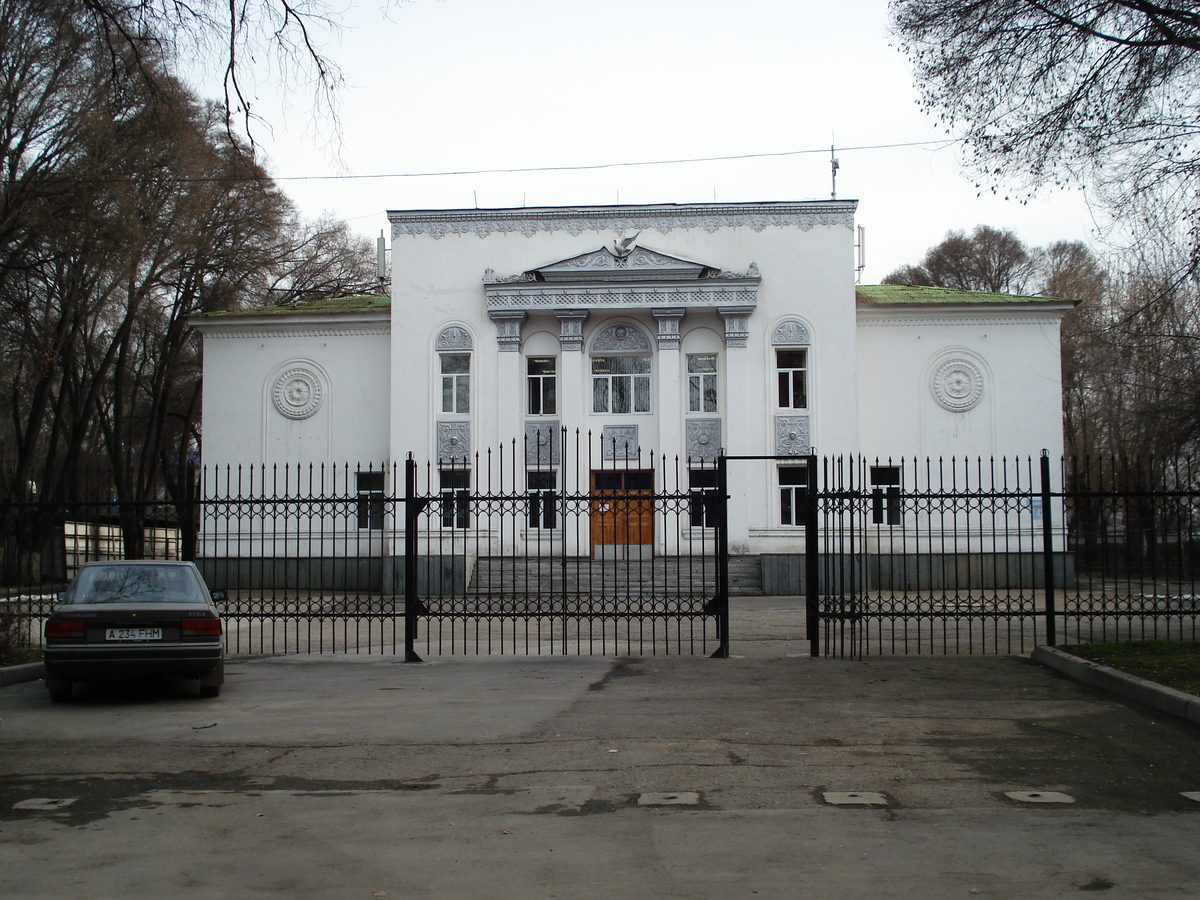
792	364
622	366
454	359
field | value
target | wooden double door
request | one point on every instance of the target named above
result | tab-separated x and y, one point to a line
622	513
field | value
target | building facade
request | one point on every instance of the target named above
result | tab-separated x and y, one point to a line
586	349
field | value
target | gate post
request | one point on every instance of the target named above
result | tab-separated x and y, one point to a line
722	598
411	516
1048	551
812	560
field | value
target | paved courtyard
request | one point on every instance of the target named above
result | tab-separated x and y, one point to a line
770	774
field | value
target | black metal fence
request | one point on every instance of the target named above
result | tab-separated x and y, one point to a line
546	547
998	555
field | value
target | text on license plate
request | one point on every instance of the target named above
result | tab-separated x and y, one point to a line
133	634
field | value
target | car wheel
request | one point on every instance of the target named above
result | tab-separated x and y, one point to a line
59	687
210	683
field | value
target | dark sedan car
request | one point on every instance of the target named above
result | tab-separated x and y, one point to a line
129	618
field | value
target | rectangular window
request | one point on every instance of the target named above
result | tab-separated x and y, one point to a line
702	487
541	379
793	485
885	495
369	486
456	497
702	382
792	367
620	384
456	382
543	499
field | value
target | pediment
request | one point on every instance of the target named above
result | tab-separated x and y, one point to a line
636	263
624	277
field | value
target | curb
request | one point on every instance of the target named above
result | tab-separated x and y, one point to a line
1164	699
17	674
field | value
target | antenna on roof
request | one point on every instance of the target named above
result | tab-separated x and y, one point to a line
862	254
381	257
833	167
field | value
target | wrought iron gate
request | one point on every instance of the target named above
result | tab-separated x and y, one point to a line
619	553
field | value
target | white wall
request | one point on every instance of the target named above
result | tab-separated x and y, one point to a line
243	360
1013	346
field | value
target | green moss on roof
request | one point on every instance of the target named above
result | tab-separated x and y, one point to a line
324	306
902	294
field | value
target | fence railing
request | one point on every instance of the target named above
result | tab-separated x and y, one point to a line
627	553
996	556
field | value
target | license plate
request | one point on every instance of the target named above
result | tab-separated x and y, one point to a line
133	634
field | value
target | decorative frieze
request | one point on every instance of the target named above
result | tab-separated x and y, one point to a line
453	441
542	440
709	217
703	439
793	436
620	442
702	294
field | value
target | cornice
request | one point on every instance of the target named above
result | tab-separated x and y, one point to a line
1017	314
259	332
576	220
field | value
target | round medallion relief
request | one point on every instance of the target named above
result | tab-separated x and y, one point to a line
957	385
297	393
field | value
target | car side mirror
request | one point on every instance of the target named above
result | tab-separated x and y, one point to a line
219	596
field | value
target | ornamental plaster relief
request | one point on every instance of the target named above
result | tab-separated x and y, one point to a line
620	442
570	324
508	329
621	338
668	327
790	332
703	439
957	384
575	221
455	337
737	325
610	296
222	333
453	441
297	392
542	441
793	436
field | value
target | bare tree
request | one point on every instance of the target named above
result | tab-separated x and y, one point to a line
323	258
229	32
1104	94
988	260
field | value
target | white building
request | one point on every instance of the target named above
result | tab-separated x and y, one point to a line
596	338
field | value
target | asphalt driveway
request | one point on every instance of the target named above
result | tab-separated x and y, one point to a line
769	774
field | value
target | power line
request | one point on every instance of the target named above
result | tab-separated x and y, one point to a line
937	145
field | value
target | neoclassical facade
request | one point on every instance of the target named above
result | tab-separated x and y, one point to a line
592	340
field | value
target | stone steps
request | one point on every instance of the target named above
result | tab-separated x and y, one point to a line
531	575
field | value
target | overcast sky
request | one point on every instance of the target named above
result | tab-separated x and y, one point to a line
469	85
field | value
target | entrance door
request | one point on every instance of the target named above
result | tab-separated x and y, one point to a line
622	513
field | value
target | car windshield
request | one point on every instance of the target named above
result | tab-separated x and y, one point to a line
135	584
